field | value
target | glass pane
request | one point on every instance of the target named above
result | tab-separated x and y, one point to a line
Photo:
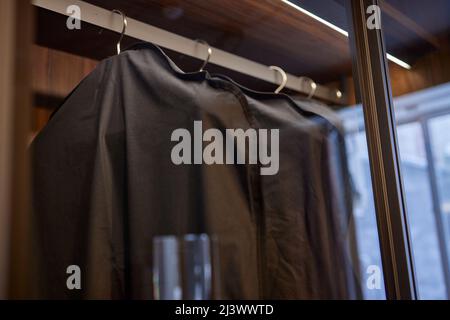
305	231
417	35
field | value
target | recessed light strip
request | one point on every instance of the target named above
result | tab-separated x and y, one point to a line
341	31
398	61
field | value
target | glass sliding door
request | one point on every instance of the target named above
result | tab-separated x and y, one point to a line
320	227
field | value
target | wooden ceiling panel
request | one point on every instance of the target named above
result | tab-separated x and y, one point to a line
266	31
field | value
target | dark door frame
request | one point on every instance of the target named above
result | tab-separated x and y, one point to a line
374	90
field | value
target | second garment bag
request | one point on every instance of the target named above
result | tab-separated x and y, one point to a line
309	239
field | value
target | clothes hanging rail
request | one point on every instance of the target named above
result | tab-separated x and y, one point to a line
108	20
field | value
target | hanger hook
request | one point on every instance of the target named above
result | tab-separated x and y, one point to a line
124	28
312	84
209	53
283	76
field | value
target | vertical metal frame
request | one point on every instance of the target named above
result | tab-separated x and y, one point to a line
373	87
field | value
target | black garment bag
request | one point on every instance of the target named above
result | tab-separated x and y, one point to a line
311	128
105	186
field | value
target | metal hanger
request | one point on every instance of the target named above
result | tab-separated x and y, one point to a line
124	28
209	53
283	77
312	84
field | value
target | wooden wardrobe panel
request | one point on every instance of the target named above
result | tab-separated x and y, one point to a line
16	24
57	73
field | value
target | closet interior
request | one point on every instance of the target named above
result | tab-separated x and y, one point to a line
113	81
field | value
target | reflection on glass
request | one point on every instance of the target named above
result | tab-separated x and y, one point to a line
372	282
166	268
423	120
441	154
429	273
423	139
182	267
197	267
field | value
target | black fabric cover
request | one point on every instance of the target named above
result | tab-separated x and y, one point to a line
313	152
105	186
